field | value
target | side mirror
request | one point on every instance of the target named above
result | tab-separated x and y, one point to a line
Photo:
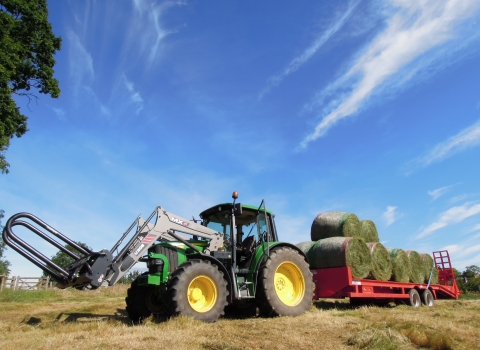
237	209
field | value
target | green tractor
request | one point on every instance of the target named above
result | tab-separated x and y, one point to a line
251	269
232	258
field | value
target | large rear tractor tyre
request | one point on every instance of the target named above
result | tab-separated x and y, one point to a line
197	289
285	284
427	298
137	308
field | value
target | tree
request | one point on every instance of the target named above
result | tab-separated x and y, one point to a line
472	271
27	47
129	277
4	264
63	260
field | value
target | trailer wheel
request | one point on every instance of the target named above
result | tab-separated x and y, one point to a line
137	309
427	298
414	298
197	289
285	284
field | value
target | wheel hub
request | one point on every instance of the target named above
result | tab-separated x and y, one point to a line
202	294
289	283
281	285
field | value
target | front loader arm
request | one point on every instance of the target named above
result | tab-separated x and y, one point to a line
147	234
93	269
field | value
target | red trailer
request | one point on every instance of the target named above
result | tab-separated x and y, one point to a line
338	283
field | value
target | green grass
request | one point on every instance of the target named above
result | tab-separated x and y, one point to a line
470	296
21	296
97	319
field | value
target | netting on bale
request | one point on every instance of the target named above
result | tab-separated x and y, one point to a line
335	224
341	251
417	273
381	262
368	231
305	247
400	265
429	269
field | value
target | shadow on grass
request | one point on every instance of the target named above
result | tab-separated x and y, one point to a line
79	317
345	305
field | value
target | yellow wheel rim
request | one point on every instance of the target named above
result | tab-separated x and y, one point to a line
289	283
202	293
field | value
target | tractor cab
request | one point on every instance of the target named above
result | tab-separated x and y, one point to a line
251	223
244	227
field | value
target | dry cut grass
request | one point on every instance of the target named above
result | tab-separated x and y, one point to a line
71	319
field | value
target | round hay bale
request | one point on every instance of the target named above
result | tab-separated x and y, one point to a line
434	279
368	231
335	224
429	269
305	246
417	273
341	251
400	265
381	262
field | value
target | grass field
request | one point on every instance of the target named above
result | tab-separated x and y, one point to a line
72	319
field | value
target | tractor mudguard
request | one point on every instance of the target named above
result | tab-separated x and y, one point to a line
260	254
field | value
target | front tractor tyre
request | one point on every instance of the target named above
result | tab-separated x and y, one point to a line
197	289
285	284
137	308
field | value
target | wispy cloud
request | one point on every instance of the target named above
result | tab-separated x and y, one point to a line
414	28
297	62
465	139
440	192
451	216
148	29
60	113
474	228
390	215
80	61
135	96
453	248
472	249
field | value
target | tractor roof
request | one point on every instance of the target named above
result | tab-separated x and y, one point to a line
228	206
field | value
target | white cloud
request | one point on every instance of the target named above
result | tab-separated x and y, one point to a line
60	113
473	249
414	28
462	264
451	216
297	62
148	30
465	139
440	192
453	248
475	228
390	215
80	61
135	96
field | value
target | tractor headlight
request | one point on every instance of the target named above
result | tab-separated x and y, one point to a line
155	265
157	262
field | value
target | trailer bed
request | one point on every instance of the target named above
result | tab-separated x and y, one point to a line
338	283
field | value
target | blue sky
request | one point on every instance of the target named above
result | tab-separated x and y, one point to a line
370	107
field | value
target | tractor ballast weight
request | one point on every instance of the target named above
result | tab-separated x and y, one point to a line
195	269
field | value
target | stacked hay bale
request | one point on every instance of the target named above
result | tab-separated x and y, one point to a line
368	231
338	239
339	252
417	271
401	266
431	273
335	224
381	266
